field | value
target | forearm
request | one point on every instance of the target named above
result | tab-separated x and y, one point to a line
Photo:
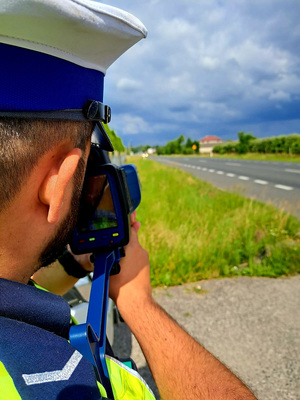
181	367
61	276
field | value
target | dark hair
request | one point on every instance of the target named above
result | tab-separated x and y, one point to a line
24	141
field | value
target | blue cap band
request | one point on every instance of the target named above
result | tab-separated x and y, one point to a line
33	81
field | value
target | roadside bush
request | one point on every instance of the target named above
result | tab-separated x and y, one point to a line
228	147
289	144
187	150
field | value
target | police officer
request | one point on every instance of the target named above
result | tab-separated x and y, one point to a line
53	58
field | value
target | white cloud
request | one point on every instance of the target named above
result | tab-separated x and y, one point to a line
280	95
131	125
210	63
206	62
128	84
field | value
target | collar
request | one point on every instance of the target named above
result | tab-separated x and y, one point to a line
33	306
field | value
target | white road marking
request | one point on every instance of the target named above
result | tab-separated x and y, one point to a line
198	167
211	170
283	187
293	171
244	178
259	181
233	164
202	161
220	172
204	169
230	175
54	376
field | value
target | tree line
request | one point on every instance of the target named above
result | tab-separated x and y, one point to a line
176	146
247	143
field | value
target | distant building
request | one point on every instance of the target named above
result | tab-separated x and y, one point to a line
151	151
208	143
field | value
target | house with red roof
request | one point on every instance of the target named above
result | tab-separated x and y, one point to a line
208	143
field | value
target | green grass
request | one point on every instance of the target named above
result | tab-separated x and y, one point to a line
194	231
258	157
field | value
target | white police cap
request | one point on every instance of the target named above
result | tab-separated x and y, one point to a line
54	55
85	32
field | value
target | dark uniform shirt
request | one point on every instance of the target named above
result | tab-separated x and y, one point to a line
34	348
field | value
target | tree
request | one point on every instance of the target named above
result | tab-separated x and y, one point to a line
174	146
115	139
244	140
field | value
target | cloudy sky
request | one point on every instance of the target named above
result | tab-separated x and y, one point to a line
208	67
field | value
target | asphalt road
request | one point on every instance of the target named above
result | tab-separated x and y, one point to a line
266	181
250	324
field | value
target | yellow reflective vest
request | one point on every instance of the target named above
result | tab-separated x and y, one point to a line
33	341
126	383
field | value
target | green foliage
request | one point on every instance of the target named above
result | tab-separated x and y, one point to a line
228	147
189	143
140	149
160	150
288	144
194	231
244	142
115	139
178	146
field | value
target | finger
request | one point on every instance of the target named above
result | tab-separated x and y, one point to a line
133	217
133	234
136	226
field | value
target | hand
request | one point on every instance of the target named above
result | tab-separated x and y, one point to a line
131	287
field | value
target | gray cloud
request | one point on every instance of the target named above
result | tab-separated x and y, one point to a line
206	67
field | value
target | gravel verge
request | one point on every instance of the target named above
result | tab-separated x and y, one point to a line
251	324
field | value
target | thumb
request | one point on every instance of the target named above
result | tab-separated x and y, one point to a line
136	226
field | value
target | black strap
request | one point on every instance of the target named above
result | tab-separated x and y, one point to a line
71	266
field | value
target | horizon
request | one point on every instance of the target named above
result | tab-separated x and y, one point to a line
224	141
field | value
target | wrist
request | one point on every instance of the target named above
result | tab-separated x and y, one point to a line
71	266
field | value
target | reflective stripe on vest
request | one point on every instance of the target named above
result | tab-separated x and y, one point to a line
127	384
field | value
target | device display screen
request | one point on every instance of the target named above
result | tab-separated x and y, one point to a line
97	211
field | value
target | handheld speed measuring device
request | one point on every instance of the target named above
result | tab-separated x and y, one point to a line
110	194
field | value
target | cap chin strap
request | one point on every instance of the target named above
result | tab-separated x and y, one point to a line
92	111
100	137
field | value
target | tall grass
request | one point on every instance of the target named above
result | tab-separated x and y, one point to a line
194	231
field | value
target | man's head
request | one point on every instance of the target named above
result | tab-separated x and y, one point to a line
23	142
21	148
54	56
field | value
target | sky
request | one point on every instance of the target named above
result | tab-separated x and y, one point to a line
207	67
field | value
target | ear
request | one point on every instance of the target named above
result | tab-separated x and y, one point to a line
52	190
